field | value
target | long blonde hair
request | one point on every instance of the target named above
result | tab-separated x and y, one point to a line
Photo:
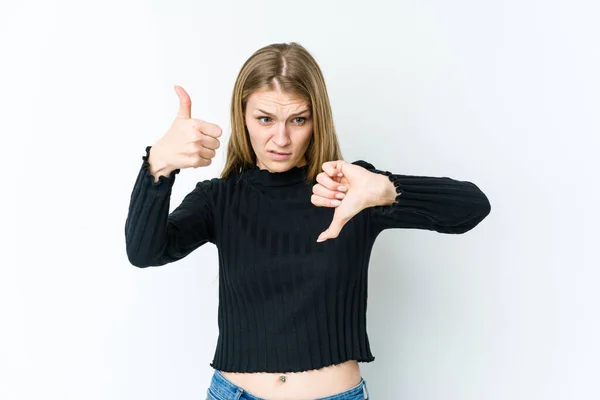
288	66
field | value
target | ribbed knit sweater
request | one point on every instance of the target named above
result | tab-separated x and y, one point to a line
286	302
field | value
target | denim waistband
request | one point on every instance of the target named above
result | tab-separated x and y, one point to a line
223	389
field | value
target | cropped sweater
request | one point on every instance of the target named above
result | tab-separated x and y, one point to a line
286	302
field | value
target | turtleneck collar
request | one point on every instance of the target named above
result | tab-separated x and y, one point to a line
265	177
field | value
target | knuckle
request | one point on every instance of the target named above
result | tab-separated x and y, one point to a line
320	178
195	147
193	160
201	162
330	184
192	134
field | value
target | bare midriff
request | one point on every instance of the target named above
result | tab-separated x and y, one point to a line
299	385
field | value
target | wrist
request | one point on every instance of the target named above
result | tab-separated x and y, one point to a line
385	193
158	164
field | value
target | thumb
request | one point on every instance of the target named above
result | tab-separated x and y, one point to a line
185	103
334	228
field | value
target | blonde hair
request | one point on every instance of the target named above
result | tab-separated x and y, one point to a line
290	67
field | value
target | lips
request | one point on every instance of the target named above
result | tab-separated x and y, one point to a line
276	156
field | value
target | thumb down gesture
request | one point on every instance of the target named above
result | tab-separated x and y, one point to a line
349	188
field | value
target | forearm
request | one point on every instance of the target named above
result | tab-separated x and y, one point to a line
145	226
441	204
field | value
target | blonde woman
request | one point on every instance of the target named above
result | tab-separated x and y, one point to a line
294	225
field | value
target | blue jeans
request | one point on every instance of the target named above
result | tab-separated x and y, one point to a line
223	389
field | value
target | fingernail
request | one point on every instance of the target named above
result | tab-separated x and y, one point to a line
340	195
336	202
340	174
342	188
320	240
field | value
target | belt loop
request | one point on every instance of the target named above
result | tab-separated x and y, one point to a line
239	394
365	390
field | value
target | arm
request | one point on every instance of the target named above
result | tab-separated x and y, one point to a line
437	204
153	236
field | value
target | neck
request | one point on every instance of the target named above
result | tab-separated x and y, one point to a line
265	177
301	163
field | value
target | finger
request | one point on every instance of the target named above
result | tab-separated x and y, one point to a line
207	128
322	191
185	103
199	148
336	226
328	182
324	202
206	153
333	168
332	232
195	160
207	141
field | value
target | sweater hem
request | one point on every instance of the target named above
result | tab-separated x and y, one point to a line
214	365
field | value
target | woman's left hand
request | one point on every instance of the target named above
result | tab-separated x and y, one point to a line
355	190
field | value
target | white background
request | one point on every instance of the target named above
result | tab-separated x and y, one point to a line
503	94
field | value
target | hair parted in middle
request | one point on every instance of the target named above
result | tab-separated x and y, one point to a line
291	68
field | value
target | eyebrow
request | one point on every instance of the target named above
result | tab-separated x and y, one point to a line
292	115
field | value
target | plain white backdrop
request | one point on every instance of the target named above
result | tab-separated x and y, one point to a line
503	94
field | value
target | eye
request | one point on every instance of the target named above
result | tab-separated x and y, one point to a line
260	120
301	118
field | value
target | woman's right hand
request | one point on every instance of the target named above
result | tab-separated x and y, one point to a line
189	142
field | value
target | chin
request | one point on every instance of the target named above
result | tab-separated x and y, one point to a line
279	166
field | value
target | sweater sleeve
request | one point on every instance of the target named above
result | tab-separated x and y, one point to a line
438	204
153	236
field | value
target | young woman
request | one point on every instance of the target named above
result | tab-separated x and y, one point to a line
294	225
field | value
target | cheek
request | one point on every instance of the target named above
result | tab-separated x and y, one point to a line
307	134
255	131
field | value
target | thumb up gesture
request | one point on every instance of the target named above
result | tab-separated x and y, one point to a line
189	142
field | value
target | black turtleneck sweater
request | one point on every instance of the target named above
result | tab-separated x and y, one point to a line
286	302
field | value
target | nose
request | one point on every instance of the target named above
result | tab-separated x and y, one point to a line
281	137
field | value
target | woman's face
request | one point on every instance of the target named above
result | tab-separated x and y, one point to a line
278	122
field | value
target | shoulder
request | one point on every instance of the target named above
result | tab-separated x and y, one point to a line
217	186
211	185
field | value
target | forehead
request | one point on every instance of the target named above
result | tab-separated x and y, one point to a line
276	99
